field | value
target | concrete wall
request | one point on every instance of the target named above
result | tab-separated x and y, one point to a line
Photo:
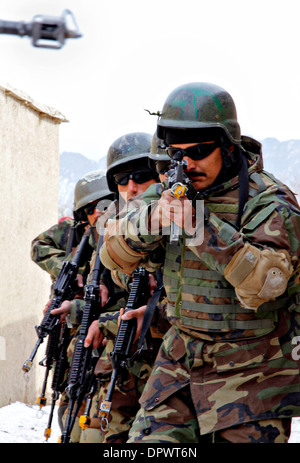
29	176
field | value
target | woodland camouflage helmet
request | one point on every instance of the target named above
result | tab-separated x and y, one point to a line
91	187
130	147
199	109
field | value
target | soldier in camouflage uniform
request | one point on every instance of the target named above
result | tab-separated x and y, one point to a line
50	248
225	371
128	174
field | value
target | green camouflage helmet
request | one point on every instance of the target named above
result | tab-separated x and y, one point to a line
130	147
89	188
200	106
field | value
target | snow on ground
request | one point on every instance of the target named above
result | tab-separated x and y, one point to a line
295	434
21	423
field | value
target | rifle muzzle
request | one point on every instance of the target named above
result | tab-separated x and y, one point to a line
178	190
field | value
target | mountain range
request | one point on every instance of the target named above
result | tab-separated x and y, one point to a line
281	158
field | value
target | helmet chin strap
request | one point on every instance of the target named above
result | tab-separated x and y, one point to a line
244	185
235	163
230	159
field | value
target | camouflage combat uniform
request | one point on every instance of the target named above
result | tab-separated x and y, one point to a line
49	247
223	371
125	400
48	251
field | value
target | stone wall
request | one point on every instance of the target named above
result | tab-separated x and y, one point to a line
29	177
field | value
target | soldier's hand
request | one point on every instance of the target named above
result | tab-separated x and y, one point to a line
47	306
152	283
80	280
138	314
63	310
170	209
94	336
103	290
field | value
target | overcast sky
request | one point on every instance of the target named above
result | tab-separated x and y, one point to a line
133	53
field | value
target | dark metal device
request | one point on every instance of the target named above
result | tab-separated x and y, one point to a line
45	31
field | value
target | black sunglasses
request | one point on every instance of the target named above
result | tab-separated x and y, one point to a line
89	209
197	152
139	176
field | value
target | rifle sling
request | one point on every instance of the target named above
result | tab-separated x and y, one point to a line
150	309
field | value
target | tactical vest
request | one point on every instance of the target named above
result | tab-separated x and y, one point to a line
201	301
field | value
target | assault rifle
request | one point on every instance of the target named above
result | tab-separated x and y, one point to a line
54	354
45	31
65	288
51	349
121	357
180	185
81	377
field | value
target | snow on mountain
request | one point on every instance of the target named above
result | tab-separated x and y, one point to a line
281	158
72	167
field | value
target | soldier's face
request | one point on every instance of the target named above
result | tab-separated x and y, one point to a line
92	218
133	189
202	172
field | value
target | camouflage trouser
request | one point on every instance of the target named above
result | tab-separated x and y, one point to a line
125	405
165	424
89	435
197	388
127	392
